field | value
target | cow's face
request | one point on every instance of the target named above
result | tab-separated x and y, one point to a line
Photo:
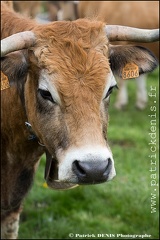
67	98
67	93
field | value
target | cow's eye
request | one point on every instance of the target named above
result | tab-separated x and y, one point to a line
110	90
46	95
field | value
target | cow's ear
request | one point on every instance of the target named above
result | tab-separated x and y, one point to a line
14	65
120	55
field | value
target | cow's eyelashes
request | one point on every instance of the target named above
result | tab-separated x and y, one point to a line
110	90
46	95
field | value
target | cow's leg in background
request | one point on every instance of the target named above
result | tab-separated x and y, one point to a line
10	226
141	94
142	97
122	95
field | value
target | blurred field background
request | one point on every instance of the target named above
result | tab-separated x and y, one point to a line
121	206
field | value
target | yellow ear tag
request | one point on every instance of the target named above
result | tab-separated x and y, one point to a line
130	70
4	81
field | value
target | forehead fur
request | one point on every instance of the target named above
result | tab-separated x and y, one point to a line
74	51
72	40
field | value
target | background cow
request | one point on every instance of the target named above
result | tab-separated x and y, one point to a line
27	8
47	10
57	79
63	10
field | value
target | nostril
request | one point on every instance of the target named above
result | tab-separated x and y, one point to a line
108	167
92	171
77	168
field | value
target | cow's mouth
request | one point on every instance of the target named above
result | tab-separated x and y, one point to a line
51	175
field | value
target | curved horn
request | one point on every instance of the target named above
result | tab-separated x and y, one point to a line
123	33
17	41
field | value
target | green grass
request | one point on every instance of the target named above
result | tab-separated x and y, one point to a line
121	206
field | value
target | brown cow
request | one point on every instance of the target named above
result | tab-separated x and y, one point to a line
61	10
140	14
9	3
27	8
57	79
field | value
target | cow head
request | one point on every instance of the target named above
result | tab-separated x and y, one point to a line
66	91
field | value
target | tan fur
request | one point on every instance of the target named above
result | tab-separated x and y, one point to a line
89	9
